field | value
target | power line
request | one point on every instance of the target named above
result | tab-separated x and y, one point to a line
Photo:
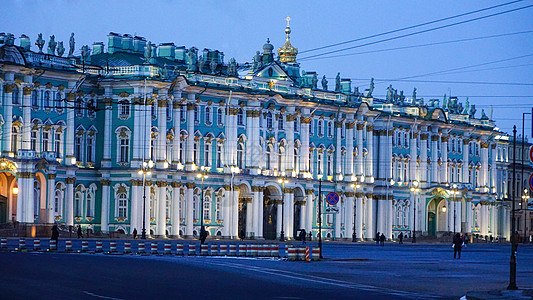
420	45
418	32
456	82
409	27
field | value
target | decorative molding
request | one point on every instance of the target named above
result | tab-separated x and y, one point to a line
70	180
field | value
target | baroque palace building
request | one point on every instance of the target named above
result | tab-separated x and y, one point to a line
89	139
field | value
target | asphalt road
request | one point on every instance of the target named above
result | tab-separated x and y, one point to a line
350	271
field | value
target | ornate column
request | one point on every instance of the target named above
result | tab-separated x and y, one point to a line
235	214
176	106
108	125
69	138
369	172
338	155
359	216
226	212
175	216
261	213
444	166
289	153
349	167
26	112
382	214
189	155
50	195
369	222
161	151
359	141
348	214
136	204
493	169
8	118
337	224
309	209
434	157
104	217
257	216
305	122
484	164
161	220
69	201
288	214
189	218
468	217
466	143
414	156
256	147
423	159
250	142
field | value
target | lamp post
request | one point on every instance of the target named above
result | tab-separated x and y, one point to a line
414	189
320	214
355	187
202	175
282	181
526	200
455	193
145	171
512	262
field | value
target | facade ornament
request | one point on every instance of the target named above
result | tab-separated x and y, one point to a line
60	49
370	89
483	115
287	53
192	57
473	111
85	53
147	52
232	67
72	44
40	42
52	45
324	83
414	95
338	82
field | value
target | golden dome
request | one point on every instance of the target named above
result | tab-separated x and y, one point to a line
287	53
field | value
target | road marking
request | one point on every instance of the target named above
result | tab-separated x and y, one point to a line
100	296
326	281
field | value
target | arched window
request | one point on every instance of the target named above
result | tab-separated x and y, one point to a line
196	114
296	124
78	108
58	201
268	164
220	117
208	115
330	164
194	210
320	128
195	152
124	109
296	166
15	139
320	163
207	208
240	155
281	159
91	148
281	125
36	197
57	144
46	100
78	200
90	204
123	148
15	96
269	120
207	154
58	103
34	99
240	117
219	155
33	140
218	208
123	205
78	147
330	129
46	140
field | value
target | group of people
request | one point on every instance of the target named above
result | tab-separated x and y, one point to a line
380	239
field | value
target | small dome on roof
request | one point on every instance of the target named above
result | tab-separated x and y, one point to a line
267	48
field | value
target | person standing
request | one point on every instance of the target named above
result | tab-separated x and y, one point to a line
377	238
80	234
401	237
55	233
134	233
302	236
457	245
382	240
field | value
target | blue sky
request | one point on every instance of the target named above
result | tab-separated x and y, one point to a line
239	28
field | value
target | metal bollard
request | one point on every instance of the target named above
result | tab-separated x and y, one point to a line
315	253
3	243
22	244
223	249
192	249
242	250
255	250
98	248
53	245
301	253
127	247
112	247
266	250
214	250
248	250
203	250
36	245
167	249
291	253
68	246
179	249
232	250
274	250
153	248
286	250
84	246
307	258
141	248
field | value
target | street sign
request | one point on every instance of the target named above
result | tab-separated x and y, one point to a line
332	198
332	210
531	182
531	154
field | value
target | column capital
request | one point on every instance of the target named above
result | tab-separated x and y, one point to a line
305	120
191	106
175	184
52	176
360	126
370	128
484	145
27	90
70	180
349	194
9	88
424	136
26	175
309	191
349	124
71	96
257	188
161	184
190	185
108	101
162	103
134	182
444	139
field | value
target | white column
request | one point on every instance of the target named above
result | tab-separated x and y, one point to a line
349	170
136	193
309	208
337	224
381	215
338	160
250	229
468	211
69	138
256	219
189	155
484	164
304	136
50	198
434	157
177	130
69	201
250	132
458	215
348	215
235	214
161	221
161	150
288	217
359	217
369	222
256	148
189	222
423	159
444	166
278	222
261	212
226	210
413	153
26	112
104	217
289	152
359	141
108	125
369	171
493	181
466	142
8	118
176	195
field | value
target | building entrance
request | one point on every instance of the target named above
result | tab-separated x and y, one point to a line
270	213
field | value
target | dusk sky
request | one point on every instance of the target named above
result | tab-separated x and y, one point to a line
502	76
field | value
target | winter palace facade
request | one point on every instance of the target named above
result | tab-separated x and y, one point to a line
186	138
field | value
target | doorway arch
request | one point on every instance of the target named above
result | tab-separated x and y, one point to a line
436	217
271	200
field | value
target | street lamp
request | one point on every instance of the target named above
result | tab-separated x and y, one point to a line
355	187
414	189
283	180
526	200
455	192
320	214
512	263
202	175
145	171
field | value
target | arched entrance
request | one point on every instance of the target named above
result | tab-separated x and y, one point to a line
245	210
298	211
8	191
271	200
436	216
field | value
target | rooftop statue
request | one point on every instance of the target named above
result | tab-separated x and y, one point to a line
445	103
414	95
483	115
40	42
467	107
402	98
192	57
10	39
232	67
473	111
85	52
338	82
52	45
389	93
213	65
324	83
314	82
490	112
71	44
356	91
459	108
257	62
201	63
371	89
148	52
60	49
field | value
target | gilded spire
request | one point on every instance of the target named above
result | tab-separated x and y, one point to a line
287	53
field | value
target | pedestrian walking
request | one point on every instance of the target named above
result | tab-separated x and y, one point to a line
382	240
377	238
401	237
466	239
203	235
55	233
302	236
134	233
457	245
80	233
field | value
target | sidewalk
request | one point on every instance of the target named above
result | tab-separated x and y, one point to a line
503	294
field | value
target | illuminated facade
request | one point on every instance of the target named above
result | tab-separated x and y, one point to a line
77	129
